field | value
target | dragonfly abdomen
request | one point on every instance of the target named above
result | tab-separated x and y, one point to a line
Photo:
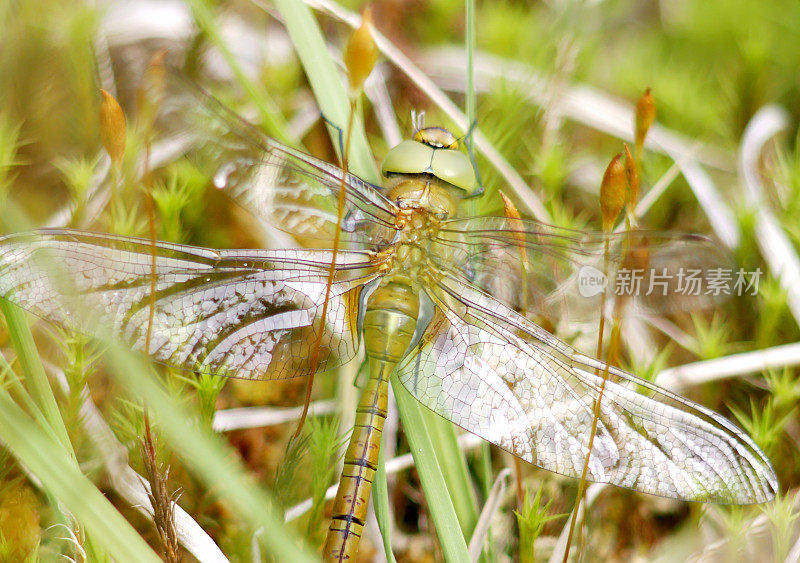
390	320
389	324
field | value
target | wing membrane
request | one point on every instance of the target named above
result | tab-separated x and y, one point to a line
283	187
496	374
656	272
249	314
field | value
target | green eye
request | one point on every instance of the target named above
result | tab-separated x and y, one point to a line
449	165
455	168
409	157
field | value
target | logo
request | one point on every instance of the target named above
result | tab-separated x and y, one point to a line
591	281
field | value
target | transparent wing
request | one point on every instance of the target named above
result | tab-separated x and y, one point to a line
249	314
564	272
284	187
496	374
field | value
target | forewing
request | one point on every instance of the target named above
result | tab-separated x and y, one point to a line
284	187
241	313
566	273
496	374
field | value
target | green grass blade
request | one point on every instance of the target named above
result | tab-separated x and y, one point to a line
326	82
454	469
380	502
470	104
485	480
38	384
440	505
60	476
271	118
21	395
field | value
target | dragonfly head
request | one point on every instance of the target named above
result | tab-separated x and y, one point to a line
434	151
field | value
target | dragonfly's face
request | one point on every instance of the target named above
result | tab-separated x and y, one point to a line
433	151
422	191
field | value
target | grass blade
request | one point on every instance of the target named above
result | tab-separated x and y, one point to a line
60	476
271	119
327	84
437	496
454	469
38	384
380	503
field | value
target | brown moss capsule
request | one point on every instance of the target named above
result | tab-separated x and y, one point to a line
632	178
613	192
361	53
511	212
645	115
113	127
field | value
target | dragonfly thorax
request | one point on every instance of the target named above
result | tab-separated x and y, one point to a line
406	256
392	309
417	225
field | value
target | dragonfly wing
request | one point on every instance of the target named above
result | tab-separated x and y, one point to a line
242	313
500	376
565	271
283	187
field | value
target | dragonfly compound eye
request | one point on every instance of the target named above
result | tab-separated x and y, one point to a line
418	157
437	137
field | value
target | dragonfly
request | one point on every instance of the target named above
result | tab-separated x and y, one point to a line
433	295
